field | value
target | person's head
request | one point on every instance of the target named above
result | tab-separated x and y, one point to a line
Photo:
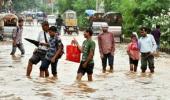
88	33
20	22
59	16
105	28
143	31
52	31
133	38
158	26
45	26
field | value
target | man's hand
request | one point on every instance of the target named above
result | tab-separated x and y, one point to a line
101	56
84	64
132	57
35	50
153	53
112	53
53	59
14	43
74	41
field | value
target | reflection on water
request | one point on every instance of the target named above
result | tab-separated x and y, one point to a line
119	85
9	97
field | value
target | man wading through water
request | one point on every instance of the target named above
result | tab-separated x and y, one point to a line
147	46
106	47
40	52
87	62
17	38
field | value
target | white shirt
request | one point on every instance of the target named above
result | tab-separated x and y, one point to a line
147	44
41	39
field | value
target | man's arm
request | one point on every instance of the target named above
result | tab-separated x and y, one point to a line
113	43
100	47
78	46
58	51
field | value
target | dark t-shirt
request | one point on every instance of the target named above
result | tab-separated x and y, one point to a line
87	46
59	21
156	34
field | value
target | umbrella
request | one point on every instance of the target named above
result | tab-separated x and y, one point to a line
90	12
36	43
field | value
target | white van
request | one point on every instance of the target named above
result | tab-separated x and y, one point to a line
51	19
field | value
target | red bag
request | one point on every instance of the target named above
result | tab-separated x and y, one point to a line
73	53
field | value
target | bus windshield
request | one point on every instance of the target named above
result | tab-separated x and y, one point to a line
113	18
97	17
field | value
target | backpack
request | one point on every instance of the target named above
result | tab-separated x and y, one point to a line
62	51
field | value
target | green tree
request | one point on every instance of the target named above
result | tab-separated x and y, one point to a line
135	11
21	5
80	6
64	5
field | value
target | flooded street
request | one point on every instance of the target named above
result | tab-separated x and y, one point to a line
120	85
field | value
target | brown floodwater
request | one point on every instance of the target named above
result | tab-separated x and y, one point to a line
120	85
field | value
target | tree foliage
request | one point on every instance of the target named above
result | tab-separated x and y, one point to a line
135	11
21	5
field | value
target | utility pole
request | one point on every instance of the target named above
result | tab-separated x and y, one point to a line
51	3
9	3
100	6
52	6
1	5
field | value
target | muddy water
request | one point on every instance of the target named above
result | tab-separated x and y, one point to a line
120	85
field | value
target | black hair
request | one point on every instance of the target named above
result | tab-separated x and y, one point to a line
144	28
158	26
53	28
20	20
44	23
89	31
134	36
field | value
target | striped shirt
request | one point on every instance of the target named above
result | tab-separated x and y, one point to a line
53	42
106	43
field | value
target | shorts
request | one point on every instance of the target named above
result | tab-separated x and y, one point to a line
37	56
88	69
135	62
45	64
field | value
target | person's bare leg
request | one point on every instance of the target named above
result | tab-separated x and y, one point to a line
29	69
46	73
131	67
111	69
90	78
79	76
42	73
135	68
